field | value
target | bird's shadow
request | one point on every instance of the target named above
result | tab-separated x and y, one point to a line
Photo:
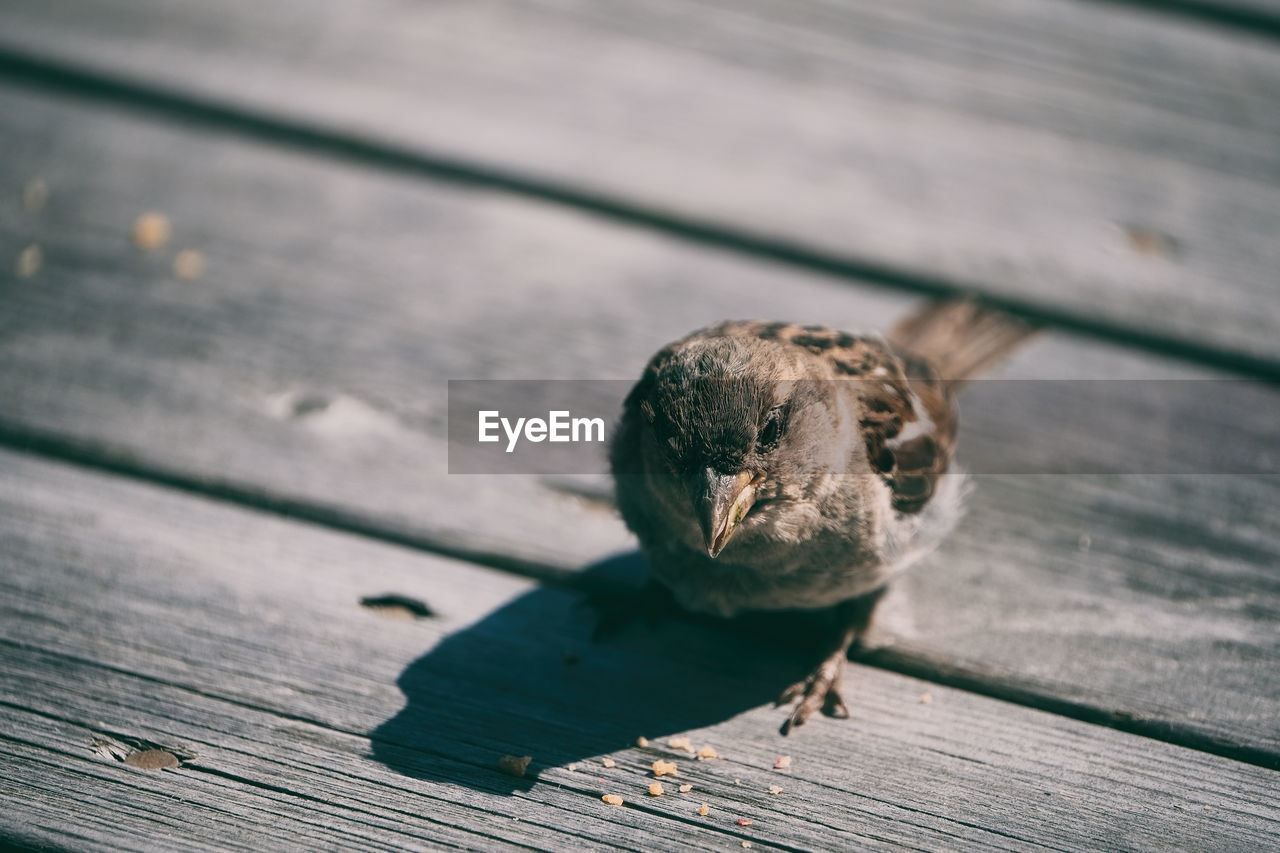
528	679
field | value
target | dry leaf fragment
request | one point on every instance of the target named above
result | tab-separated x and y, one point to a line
656	789
514	765
664	768
151	231
612	799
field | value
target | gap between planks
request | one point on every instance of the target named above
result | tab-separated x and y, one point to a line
318	140
1256	19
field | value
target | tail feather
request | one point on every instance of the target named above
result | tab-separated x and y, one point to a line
960	337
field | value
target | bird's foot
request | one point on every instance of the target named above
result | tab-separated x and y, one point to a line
820	691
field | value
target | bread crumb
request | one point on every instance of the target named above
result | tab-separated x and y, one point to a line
926	698
680	743
572	768
609	762
29	261
775	789
1149	242
664	768
686	788
642	741
34	195
152	759
188	265
707	752
514	765
1208	808
783	762
746	844
656	789
612	799
737	781
704	810
151	231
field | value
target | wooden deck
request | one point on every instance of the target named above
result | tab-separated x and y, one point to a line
206	483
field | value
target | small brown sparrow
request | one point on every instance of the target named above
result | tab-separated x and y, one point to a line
769	466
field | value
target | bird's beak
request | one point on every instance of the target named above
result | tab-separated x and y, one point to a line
721	501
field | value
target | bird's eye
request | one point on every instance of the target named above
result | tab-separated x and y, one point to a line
771	432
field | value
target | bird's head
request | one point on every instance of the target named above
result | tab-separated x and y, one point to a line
725	428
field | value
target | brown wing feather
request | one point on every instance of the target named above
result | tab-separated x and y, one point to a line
909	415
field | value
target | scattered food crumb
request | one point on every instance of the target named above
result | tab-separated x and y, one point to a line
775	789
34	195
704	810
612	799
1208	808
188	265
642	741
1149	241
686	788
29	261
737	781
707	752
783	762
746	844
572	768
151	759
609	762
514	765
664	768
656	789
151	231
926	698
744	821
680	743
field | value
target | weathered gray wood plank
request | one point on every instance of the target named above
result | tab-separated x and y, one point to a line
236	639
1100	160
308	365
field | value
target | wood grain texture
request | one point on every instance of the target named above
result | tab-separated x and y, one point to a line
307	368
235	640
1105	161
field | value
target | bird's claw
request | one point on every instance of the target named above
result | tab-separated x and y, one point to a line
820	691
